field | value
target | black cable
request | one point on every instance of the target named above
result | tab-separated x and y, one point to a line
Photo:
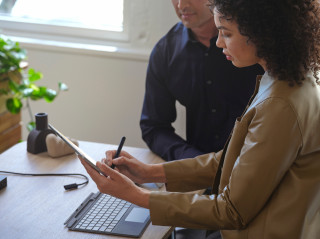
66	187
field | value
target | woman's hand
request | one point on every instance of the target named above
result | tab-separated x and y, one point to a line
128	165
117	184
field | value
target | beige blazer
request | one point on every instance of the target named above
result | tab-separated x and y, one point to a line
270	182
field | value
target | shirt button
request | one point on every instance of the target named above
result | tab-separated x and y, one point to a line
206	54
213	110
216	136
209	82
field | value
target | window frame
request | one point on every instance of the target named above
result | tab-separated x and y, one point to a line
22	28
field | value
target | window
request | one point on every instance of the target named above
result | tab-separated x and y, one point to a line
125	28
94	19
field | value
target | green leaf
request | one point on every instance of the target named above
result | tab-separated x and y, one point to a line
22	87
25	81
19	56
38	92
50	95
10	55
34	75
27	92
31	125
34	87
13	86
3	55
42	91
14	105
63	86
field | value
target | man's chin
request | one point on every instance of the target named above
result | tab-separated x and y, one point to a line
187	24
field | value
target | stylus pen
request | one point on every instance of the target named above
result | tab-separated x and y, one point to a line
119	150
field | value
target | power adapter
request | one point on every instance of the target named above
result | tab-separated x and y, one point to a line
3	182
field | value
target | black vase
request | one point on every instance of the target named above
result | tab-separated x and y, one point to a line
36	142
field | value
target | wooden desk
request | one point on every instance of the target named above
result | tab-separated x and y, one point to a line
37	207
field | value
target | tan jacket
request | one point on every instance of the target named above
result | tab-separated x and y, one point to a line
270	183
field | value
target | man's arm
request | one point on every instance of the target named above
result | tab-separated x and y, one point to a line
159	112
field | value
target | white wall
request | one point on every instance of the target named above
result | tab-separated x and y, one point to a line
105	89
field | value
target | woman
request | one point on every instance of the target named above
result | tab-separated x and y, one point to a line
270	180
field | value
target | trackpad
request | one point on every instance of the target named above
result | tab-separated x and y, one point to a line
137	215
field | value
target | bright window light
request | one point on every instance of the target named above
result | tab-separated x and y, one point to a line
93	14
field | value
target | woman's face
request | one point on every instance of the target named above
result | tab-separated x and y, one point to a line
236	47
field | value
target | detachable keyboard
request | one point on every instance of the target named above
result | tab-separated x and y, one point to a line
102	213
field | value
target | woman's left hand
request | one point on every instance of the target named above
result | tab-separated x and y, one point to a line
117	184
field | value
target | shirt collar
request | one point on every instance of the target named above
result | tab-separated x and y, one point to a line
187	36
265	83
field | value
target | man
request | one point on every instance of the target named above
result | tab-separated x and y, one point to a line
186	66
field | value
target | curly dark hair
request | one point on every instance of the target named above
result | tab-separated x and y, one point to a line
286	33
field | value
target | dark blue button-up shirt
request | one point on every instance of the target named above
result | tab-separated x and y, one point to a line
213	91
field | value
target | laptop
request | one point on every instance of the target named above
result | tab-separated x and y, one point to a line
102	213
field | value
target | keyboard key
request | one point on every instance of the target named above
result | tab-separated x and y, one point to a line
123	211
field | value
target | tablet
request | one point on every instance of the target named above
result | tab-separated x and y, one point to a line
78	151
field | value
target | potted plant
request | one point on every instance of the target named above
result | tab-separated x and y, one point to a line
18	82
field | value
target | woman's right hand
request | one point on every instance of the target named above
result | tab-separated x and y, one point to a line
128	165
